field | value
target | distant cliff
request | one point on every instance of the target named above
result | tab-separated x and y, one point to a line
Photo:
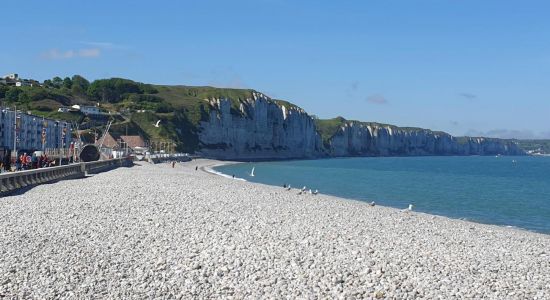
354	138
262	128
258	128
243	124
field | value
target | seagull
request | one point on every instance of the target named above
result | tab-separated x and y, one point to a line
316	192
304	189
288	188
310	192
157	125
372	203
410	208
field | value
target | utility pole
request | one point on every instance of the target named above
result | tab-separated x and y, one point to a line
15	130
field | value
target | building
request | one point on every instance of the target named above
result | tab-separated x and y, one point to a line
27	82
133	141
13	76
90	110
14	80
30	133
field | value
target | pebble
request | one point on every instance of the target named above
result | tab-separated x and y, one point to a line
153	231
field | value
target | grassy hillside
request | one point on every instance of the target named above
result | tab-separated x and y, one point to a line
135	106
537	146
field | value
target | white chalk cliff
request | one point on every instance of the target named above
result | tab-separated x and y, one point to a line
371	139
260	128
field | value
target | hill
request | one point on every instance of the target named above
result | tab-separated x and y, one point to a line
135	107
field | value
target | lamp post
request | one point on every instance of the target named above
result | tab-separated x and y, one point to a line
15	131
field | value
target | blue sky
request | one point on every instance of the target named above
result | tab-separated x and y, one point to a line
465	67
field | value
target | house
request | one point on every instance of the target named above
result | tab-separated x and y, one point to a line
90	110
14	80
13	77
133	141
110	142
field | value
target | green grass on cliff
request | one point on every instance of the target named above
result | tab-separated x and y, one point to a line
327	128
195	100
542	146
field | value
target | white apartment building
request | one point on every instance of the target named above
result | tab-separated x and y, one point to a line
30	130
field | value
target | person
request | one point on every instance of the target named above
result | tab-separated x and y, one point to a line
7	162
173	164
28	161
18	163
196	168
34	161
233	176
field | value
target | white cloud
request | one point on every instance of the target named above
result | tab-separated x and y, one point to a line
377	99
55	54
104	45
92	52
468	96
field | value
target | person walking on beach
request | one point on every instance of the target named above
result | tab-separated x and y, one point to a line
196	168
173	164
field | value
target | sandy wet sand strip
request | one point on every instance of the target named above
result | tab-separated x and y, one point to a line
153	231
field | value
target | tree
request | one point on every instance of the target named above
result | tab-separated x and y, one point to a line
12	94
112	90
57	81
80	85
48	83
67	83
3	90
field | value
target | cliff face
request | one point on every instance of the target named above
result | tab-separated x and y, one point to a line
259	128
363	139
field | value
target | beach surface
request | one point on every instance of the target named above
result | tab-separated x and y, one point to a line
157	232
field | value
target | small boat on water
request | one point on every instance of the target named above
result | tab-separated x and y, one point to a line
252	172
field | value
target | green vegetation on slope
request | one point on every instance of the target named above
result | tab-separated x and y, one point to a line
180	108
537	146
327	128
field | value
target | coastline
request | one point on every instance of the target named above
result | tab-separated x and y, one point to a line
190	234
218	163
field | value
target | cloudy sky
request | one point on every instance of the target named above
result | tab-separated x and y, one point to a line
465	67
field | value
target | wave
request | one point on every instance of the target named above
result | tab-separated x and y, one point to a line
212	171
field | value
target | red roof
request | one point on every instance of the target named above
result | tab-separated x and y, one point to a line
133	140
109	141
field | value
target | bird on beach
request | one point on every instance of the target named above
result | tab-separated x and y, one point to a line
157	124
316	192
288	188
410	208
310	192
299	193
304	189
372	203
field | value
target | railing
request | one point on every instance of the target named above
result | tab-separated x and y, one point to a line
15	180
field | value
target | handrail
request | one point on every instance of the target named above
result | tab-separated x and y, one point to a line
12	181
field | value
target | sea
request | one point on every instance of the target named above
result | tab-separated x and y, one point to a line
509	191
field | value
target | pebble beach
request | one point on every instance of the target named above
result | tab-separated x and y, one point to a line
157	232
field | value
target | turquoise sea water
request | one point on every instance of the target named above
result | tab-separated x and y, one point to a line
509	191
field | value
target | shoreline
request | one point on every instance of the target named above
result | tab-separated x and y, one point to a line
185	233
217	163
